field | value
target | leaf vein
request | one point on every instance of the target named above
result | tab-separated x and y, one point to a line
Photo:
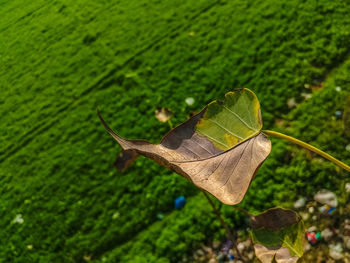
242	153
235	114
225	129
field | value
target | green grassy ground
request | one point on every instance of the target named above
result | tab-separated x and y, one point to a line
62	59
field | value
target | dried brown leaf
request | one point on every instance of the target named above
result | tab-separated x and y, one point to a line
225	174
219	149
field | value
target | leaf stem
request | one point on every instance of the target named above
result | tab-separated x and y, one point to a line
242	210
224	225
309	147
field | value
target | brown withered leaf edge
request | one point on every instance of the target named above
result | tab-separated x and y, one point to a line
274	219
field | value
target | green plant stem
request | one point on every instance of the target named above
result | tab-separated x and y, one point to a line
170	124
309	147
224	225
242	210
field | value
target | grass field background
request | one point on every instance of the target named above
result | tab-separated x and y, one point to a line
60	60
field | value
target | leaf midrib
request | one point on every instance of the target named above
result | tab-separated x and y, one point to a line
222	127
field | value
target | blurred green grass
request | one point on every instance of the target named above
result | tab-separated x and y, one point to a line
60	60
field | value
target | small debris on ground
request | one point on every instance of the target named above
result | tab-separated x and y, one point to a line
335	251
338	114
163	114
306	95
18	219
327	234
347	147
291	103
347	185
189	101
326	197
180	202
300	203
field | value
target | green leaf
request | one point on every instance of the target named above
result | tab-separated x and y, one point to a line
232	121
278	233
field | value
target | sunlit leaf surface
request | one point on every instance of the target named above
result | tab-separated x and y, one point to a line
232	121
